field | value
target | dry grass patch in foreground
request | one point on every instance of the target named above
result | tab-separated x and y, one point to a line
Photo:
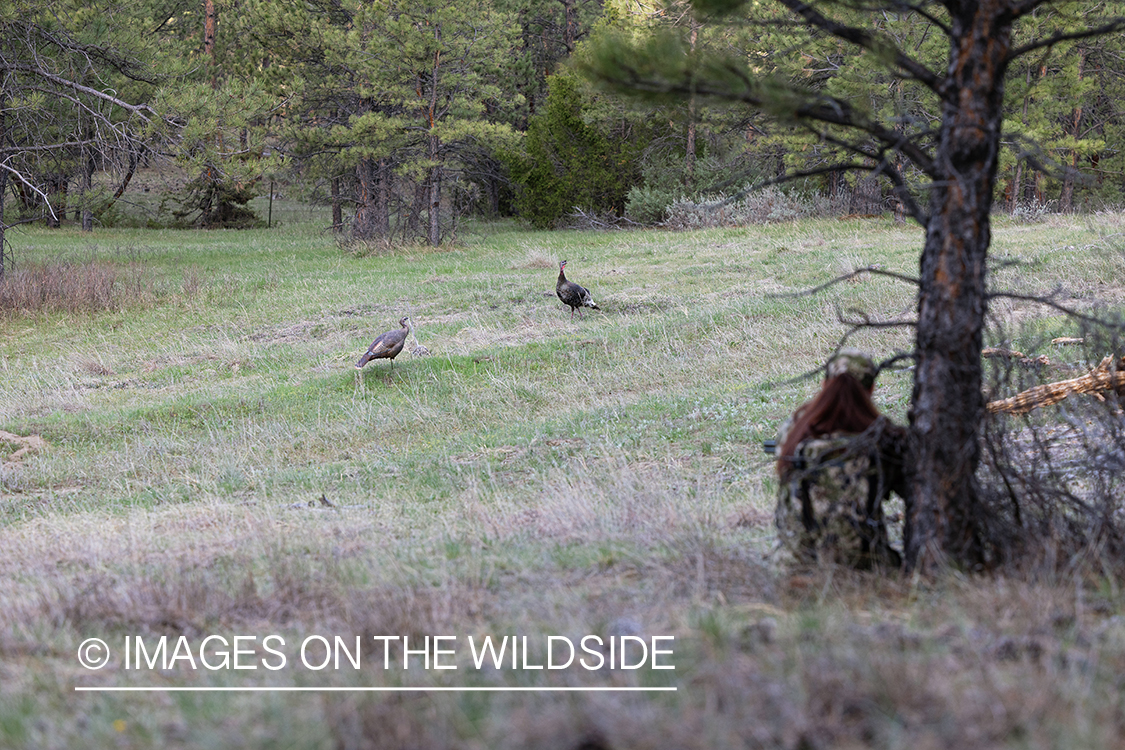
765	656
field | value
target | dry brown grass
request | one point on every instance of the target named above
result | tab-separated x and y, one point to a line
76	287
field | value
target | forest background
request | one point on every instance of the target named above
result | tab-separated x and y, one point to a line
405	117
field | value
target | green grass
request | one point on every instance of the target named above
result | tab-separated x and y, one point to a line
536	475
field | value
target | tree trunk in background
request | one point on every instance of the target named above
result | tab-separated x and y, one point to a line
56	190
414	217
210	30
365	225
4	260
433	236
383	198
1014	198
1066	198
3	180
947	406
689	156
88	191
433	152
372	215
337	206
570	24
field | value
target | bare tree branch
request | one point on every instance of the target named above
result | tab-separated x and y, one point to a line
846	277
137	109
1117	24
19	176
1048	302
868	41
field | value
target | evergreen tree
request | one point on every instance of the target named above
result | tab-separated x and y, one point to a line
572	163
225	113
403	95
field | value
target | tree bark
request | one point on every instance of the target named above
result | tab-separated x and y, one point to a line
689	156
414	216
4	260
570	25
372	215
434	233
337	206
88	189
383	198
3	178
57	184
365	223
433	152
1066	197
210	31
1014	196
947	405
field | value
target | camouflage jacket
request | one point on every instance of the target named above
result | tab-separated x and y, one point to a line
830	502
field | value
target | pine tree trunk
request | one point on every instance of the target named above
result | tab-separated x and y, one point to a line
210	31
56	190
689	156
4	260
1066	197
88	190
3	181
434	235
1014	198
943	521
365	226
337	206
570	25
414	217
383	198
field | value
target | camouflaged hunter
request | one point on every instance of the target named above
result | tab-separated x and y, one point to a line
834	479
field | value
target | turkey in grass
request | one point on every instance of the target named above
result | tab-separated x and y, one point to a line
572	294
387	345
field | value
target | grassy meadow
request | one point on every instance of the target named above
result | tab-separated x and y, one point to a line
535	475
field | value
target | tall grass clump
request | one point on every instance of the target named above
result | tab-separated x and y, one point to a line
75	287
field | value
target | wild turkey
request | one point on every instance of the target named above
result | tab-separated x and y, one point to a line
387	345
572	294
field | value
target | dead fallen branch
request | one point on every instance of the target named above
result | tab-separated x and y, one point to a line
1107	376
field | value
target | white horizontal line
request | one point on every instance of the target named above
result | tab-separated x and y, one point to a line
177	689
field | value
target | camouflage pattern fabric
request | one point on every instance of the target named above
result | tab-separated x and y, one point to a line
830	504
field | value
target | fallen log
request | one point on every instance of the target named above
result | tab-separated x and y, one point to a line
1107	376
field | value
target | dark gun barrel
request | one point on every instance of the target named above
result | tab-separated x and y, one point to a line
769	446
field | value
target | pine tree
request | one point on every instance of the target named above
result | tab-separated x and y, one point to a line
395	97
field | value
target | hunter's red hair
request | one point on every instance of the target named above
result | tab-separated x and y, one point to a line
843	405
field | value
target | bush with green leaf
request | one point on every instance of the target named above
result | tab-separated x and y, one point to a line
573	161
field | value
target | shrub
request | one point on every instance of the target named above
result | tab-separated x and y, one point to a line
756	207
571	163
